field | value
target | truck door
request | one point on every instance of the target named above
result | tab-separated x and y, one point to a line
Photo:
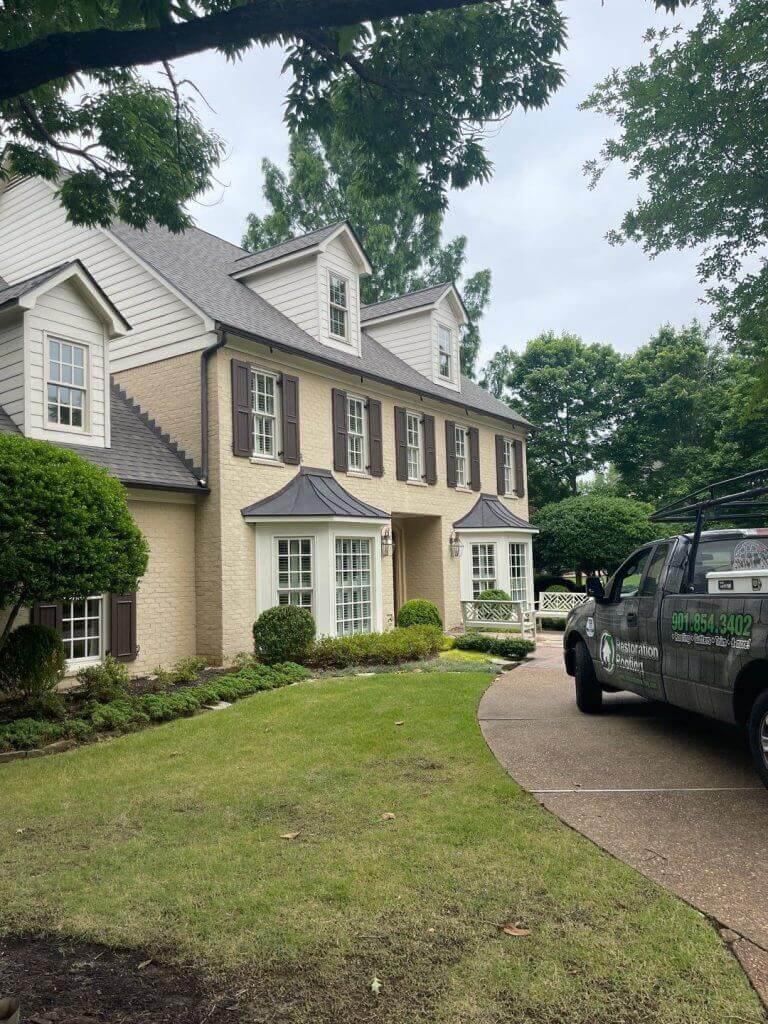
648	652
617	625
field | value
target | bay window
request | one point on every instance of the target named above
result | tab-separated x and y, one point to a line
483	568
294	571
353	585
518	588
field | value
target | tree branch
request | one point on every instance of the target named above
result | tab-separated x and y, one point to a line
63	54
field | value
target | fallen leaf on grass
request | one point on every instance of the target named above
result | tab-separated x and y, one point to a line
513	928
375	986
143	964
290	835
388	816
400	723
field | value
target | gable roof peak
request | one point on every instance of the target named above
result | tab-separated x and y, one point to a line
300	245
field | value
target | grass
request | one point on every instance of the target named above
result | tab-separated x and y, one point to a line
169	840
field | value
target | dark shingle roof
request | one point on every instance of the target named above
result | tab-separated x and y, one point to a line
11	292
488	513
139	455
198	265
403	303
286	248
313	492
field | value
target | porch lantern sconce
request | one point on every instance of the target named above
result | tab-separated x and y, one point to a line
456	545
387	544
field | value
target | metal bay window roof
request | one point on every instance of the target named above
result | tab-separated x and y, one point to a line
316	494
488	513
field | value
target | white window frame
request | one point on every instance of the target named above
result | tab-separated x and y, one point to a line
518	571
335	279
442	330
508	463
68	616
50	382
485	559
461	452
274	416
353	594
357	440
414	462
300	588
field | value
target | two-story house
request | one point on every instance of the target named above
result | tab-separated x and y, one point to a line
279	441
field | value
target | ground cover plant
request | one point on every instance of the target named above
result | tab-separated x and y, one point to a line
294	848
512	647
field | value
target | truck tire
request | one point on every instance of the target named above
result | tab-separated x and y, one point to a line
589	693
758	735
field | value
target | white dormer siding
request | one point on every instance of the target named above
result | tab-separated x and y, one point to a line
338	260
292	288
444	316
12	367
409	336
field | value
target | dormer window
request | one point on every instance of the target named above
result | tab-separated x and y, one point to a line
66	383
445	351
339	309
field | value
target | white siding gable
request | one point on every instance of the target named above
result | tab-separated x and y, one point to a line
63	314
337	258
410	337
292	289
445	314
12	368
35	236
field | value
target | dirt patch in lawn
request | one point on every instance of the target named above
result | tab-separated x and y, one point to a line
59	981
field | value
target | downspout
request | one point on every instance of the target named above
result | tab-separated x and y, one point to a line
205	355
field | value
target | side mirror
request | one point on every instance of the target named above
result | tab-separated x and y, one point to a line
595	589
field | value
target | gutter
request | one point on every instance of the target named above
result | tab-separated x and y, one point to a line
205	355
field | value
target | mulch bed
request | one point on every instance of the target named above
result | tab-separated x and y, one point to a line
59	981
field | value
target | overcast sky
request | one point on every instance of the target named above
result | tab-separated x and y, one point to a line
535	224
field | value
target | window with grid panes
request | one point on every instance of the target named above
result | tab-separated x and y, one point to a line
356	434
66	383
264	393
294	571
413	445
353	585
445	351
509	466
518	590
338	305
462	444
483	568
82	628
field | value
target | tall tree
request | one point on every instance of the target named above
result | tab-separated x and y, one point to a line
567	389
692	123
406	81
403	241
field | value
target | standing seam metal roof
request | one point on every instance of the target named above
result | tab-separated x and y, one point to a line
313	492
488	513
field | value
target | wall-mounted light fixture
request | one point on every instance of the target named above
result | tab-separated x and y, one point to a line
456	545
387	544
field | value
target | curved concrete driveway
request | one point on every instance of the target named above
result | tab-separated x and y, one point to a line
672	794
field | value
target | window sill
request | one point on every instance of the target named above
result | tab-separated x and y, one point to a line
261	460
360	474
417	483
463	488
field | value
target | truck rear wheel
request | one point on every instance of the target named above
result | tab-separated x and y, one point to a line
758	735
589	693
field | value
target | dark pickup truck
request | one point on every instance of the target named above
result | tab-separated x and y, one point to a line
684	620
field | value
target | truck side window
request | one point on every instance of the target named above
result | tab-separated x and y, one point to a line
627	582
720	554
653	576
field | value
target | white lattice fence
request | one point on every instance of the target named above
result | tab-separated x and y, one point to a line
557	604
499	613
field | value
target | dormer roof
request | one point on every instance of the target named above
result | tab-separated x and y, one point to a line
424	298
299	248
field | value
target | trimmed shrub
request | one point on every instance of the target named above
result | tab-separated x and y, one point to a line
283	633
32	662
52	707
514	648
419	612
412	643
493	594
105	682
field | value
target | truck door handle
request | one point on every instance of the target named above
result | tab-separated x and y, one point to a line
631	618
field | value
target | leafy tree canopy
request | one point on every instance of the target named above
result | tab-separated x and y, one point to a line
65	528
591	533
404	243
567	388
692	123
409	83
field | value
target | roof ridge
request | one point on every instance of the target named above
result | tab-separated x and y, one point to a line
291	238
165	438
407	295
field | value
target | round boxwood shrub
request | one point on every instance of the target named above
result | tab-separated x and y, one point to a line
284	633
493	594
32	662
419	612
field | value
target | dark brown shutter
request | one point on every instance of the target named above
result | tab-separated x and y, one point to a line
401	453
519	471
450	453
500	489
340	449
290	415
47	614
375	440
474	458
242	409
430	460
122	627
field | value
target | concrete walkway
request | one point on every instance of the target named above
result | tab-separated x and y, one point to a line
672	794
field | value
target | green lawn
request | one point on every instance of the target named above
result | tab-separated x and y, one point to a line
169	840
